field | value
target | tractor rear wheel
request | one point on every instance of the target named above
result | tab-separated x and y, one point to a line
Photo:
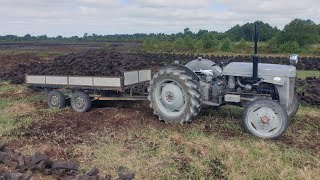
174	95
265	118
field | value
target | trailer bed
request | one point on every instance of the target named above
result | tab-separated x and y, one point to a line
128	79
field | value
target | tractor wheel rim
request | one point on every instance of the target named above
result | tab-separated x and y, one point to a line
79	103
170	97
54	100
265	121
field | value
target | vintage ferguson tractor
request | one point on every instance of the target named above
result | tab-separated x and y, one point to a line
266	91
177	92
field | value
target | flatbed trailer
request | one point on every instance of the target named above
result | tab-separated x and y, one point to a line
82	90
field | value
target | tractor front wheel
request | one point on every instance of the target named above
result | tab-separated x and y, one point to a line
265	118
293	109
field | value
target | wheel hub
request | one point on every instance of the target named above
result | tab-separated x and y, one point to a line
172	97
265	120
169	97
54	100
79	103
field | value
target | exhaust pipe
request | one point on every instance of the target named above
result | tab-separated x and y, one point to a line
255	55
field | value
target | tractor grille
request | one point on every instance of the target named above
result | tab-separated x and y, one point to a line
292	82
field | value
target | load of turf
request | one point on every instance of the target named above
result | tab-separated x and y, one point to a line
88	63
309	90
100	62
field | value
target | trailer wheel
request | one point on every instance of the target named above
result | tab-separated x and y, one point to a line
293	109
174	95
80	101
265	118
56	100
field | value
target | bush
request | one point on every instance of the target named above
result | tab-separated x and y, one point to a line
290	47
273	45
242	45
209	41
226	45
148	42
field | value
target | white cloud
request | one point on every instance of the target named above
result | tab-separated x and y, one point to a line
75	17
174	3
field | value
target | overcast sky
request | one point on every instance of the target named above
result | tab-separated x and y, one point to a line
75	17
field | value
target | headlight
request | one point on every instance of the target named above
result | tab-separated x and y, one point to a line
294	59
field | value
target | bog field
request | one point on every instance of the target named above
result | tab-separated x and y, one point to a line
125	140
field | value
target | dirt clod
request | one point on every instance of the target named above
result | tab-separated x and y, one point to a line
19	176
125	174
38	157
65	165
2	146
93	172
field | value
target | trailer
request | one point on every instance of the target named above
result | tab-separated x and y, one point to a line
82	90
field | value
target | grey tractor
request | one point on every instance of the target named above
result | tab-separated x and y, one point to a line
266	91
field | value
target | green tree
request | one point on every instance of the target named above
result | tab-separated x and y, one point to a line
273	45
206	41
188	42
290	47
246	31
187	32
43	37
148	42
179	44
304	32
209	41
27	37
226	45
59	37
242	44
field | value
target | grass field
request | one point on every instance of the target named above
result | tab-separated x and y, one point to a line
214	147
304	74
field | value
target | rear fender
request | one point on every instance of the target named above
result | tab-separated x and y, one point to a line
183	68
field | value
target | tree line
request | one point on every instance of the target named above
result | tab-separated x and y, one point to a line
297	36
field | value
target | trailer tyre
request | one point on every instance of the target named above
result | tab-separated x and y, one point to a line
266	119
294	107
56	100
80	101
174	95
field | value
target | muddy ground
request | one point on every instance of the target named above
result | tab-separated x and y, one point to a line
70	128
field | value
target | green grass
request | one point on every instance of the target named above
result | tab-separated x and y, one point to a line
15	109
6	123
5	87
164	154
304	74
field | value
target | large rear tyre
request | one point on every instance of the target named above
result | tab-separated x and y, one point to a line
80	101
174	95
56	100
265	118
293	109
